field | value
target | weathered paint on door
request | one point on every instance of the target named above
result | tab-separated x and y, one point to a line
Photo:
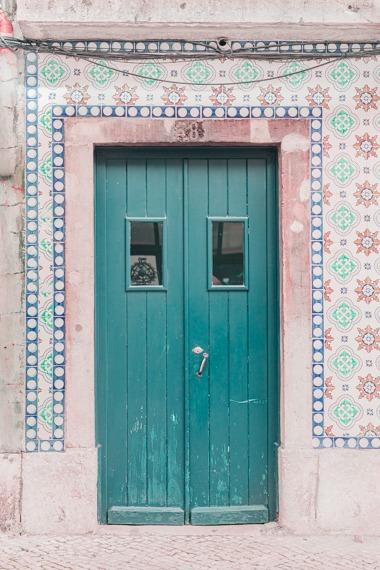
177	446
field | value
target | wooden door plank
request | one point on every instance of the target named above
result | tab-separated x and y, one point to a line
198	332
137	353
229	515
237	187
175	406
238	348
137	395
156	188
239	400
146	515
258	337
188	376
217	187
219	399
136	188
218	309
116	331
156	340
156	398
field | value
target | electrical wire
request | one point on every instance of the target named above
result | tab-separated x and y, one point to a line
358	49
211	84
258	52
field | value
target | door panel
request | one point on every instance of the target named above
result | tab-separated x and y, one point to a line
176	446
258	336
142	359
228	404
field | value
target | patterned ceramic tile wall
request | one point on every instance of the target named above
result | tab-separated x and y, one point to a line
342	97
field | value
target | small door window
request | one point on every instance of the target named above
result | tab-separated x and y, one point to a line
227	253
145	253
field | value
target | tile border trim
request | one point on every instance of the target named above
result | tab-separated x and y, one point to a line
59	114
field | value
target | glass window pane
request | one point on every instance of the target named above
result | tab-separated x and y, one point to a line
146	253
227	253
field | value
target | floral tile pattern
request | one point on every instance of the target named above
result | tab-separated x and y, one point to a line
342	98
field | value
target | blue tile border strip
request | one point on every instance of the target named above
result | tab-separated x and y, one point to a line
58	283
187	112
59	113
164	47
31	250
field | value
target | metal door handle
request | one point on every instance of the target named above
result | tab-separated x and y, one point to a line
203	364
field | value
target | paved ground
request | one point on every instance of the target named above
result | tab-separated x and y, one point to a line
181	549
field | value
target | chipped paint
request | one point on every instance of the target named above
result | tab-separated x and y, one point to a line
296	227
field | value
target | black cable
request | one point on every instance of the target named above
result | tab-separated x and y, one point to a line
211	84
47	47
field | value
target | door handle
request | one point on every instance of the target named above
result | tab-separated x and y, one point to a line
202	364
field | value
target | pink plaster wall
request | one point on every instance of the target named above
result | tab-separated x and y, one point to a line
81	136
291	136
309	503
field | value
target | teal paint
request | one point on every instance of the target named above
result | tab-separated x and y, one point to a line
146	515
229	515
174	447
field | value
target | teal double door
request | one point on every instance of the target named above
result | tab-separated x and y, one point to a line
186	335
